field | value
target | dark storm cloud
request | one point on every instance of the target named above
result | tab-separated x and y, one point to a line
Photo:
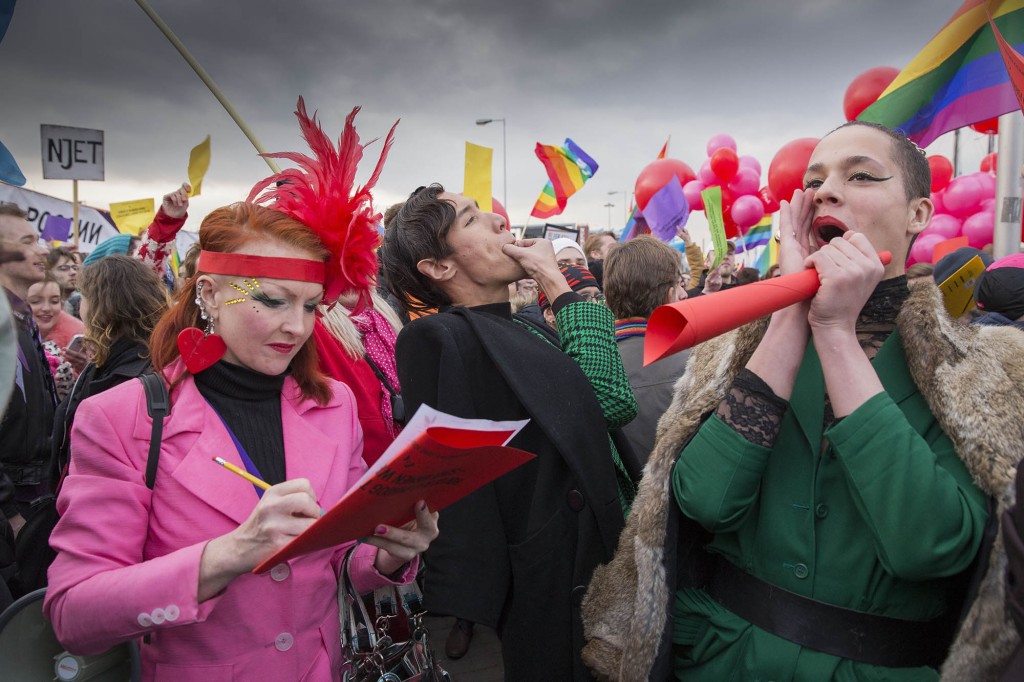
618	77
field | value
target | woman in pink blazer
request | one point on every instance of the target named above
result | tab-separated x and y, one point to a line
172	565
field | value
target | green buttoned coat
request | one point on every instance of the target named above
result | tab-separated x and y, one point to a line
873	514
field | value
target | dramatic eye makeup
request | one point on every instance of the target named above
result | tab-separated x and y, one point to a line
267	301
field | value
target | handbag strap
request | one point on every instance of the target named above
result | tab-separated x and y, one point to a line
357	631
158	405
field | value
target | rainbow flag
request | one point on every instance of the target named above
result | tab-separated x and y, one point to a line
957	79
769	257
546	205
568	168
758	247
757	236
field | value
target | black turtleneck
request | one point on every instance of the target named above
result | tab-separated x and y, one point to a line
250	404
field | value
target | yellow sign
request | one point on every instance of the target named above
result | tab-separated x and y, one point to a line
132	217
958	289
478	175
198	164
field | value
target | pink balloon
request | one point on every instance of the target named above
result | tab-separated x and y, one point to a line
988	205
979	229
937	202
707	176
944	225
720	140
988	183
747	161
963	196
745	182
692	190
924	245
747	211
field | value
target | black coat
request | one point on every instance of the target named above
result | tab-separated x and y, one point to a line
518	553
127	360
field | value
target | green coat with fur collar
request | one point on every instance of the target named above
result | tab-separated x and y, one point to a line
873	521
971	380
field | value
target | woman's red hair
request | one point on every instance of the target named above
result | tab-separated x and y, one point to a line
226	230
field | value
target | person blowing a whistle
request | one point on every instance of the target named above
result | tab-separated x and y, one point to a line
829	466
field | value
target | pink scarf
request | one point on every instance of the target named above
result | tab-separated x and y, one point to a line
379	342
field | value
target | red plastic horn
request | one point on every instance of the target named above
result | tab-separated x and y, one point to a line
678	326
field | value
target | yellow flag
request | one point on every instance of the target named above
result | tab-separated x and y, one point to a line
478	175
198	164
132	217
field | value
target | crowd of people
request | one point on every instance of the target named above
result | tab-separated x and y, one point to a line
824	494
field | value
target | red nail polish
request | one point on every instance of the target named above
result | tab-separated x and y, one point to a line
381	530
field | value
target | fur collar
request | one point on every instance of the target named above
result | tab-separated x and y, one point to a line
971	378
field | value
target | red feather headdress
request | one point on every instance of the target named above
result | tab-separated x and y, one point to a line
321	195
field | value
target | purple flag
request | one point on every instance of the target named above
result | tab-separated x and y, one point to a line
56	228
666	210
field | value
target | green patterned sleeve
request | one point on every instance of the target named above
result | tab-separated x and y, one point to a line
587	331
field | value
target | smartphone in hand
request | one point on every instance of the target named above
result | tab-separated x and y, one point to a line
77	343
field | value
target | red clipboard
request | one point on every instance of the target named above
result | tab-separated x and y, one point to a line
441	460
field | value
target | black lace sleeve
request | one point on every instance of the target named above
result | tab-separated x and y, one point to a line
752	409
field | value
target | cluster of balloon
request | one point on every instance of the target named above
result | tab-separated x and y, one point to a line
665	178
743	204
964	207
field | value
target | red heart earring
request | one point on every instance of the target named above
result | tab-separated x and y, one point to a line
200	349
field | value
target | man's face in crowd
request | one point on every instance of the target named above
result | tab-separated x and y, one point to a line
66	274
18	235
571	256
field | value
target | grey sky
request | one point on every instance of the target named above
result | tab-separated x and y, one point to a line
617	77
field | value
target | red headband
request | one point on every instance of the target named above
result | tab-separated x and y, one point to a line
247	265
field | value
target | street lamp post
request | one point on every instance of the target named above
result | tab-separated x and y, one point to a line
625	204
609	206
504	156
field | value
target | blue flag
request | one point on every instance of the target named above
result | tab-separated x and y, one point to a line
9	171
6	12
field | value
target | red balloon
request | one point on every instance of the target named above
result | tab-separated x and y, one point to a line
786	172
725	163
732	230
496	207
988	164
771	205
656	175
865	89
942	172
991	126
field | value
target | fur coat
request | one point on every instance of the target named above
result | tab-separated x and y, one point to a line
971	378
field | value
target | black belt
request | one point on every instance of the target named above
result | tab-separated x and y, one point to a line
831	629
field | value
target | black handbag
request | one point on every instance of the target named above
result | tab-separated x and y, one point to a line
370	653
